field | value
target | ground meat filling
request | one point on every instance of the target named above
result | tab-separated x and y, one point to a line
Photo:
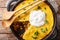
20	27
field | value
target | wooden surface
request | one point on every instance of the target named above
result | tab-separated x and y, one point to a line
5	33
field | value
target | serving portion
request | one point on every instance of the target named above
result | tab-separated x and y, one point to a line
34	24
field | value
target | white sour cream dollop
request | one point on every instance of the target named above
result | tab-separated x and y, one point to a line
37	18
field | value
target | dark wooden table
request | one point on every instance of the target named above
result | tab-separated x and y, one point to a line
6	34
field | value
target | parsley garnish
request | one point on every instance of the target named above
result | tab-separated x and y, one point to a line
42	30
46	21
46	29
39	7
34	37
36	33
45	8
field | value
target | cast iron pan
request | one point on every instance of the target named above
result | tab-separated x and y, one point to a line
11	7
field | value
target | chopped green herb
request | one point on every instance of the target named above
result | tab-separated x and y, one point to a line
39	7
24	9
34	37
42	30
45	14
36	33
46	29
46	21
45	8
24	18
18	16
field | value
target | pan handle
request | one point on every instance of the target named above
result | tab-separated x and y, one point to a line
11	3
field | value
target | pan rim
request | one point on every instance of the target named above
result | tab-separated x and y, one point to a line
54	15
